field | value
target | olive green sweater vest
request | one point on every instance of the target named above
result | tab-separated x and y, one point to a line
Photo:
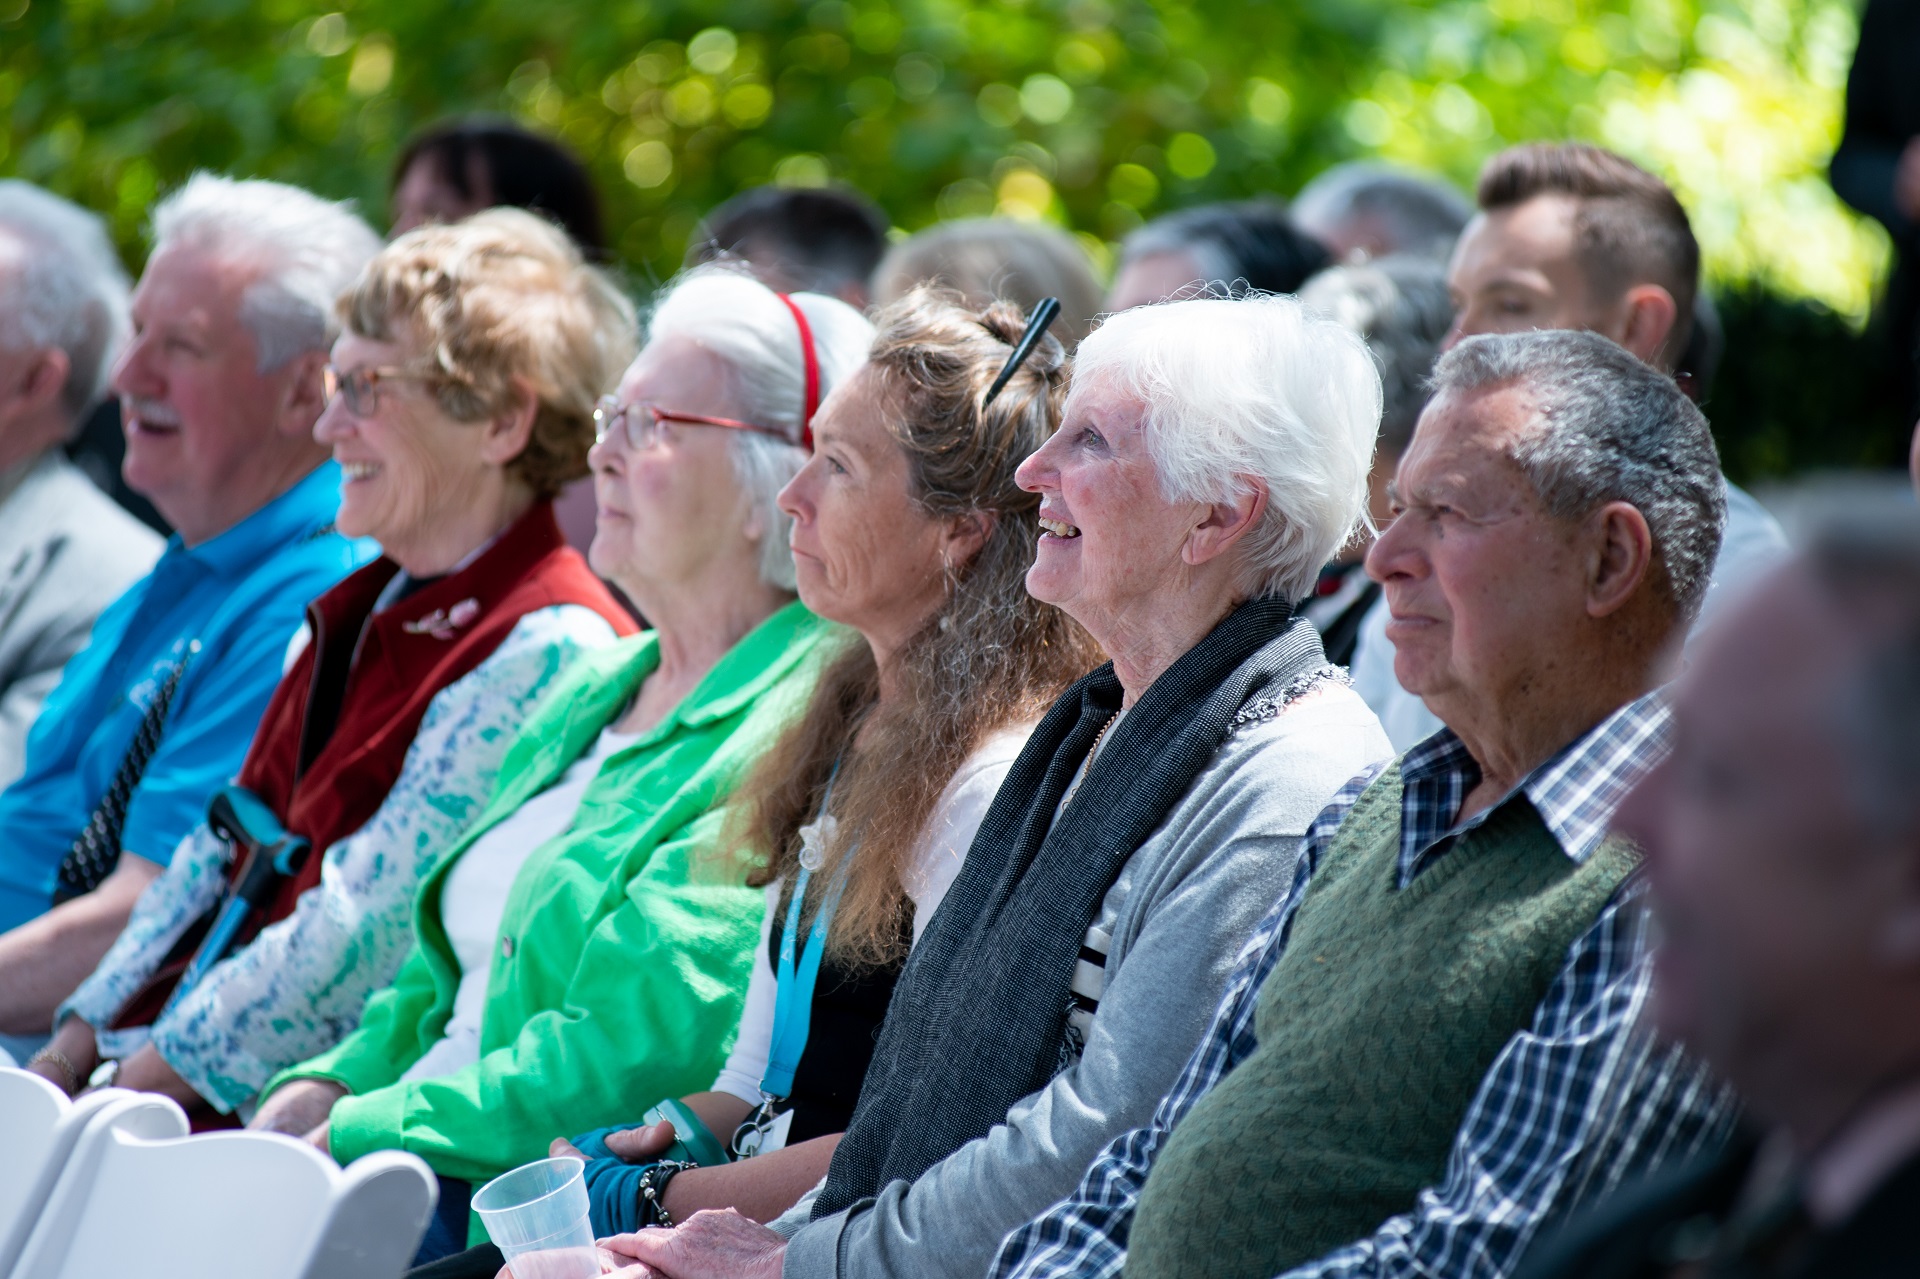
1375	1028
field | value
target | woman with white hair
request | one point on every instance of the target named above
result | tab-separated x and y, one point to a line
585	937
1213	454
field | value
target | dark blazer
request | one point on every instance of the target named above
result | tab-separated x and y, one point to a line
1642	1232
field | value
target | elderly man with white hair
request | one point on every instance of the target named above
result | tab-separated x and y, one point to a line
1429	1047
220	388
1212	455
66	549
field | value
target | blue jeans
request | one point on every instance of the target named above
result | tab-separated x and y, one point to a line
21	1047
447	1231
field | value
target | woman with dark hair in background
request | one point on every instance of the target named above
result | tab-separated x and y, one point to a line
462	166
457	168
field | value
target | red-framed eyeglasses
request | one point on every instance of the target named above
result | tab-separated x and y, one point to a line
639	424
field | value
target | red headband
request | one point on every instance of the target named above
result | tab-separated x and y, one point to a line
813	370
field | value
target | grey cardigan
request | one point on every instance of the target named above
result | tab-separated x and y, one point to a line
67	551
1179	913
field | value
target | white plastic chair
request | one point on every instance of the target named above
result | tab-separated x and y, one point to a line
38	1130
227	1205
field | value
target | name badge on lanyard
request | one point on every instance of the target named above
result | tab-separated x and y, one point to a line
795	976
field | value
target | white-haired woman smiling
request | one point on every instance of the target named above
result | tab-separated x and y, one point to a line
1213	455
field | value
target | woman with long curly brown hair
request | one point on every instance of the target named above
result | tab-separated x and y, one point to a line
909	528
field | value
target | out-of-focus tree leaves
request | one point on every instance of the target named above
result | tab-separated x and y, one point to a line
1093	113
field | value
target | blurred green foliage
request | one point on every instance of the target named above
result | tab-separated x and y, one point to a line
1091	113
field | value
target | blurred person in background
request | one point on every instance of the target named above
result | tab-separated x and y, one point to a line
1399	305
1252	243
1570	236
459	167
1782	844
1876	169
1362	210
984	259
462	394
220	386
798	239
66	549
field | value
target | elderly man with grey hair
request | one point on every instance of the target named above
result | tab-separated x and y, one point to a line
66	549
1428	1048
220	387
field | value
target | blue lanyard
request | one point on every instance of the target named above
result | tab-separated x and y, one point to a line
793	998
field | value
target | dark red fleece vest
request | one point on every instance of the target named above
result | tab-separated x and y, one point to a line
336	732
333	738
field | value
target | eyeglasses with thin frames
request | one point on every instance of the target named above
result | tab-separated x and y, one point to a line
639	424
361	388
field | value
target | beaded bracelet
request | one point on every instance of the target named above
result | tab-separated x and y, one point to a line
653	1188
54	1057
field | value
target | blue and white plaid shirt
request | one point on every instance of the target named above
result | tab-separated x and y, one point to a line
1574	1105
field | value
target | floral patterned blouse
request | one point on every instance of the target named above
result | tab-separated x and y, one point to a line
299	987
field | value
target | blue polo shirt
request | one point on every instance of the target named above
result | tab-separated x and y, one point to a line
240	596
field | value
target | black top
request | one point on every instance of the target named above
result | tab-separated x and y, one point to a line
1678	1223
848	1008
1883	113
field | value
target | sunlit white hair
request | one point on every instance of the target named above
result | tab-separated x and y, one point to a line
745	324
1244	391
61	285
307	251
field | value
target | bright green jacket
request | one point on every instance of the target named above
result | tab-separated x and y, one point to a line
627	941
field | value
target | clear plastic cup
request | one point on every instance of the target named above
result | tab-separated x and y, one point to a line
537	1216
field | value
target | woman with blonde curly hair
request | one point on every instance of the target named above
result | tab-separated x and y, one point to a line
461	398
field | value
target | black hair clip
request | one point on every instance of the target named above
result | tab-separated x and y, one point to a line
1043	316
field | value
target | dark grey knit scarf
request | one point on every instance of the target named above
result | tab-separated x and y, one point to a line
978	1017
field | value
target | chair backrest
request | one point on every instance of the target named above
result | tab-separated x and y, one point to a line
379	1217
226	1205
38	1130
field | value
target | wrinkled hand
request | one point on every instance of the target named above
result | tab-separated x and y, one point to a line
298	1108
708	1245
642	1145
611	1263
630	1145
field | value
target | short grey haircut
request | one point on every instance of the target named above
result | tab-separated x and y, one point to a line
1254	388
63	287
1419	212
742	321
1608	428
988	258
307	251
1867	560
1401	307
